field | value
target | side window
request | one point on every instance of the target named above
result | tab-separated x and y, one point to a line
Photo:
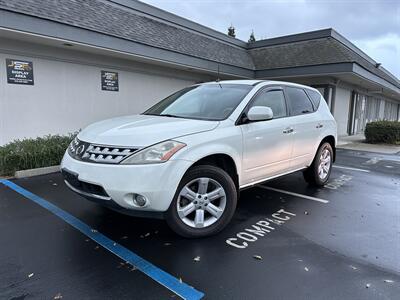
298	100
315	98
273	99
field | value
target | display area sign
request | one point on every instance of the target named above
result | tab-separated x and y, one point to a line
19	71
109	81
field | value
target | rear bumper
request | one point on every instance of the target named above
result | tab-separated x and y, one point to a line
114	186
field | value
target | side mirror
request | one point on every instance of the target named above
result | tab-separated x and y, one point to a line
260	113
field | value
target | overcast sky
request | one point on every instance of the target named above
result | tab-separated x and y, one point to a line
373	26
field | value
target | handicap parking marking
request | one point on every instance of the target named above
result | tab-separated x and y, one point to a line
293	194
167	280
351	169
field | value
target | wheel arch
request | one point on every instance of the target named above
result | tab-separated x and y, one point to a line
223	161
331	140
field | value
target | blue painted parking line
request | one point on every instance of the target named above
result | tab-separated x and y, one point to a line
170	282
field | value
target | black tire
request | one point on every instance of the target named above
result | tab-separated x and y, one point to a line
311	174
226	182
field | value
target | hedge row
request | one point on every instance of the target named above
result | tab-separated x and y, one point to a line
33	153
387	132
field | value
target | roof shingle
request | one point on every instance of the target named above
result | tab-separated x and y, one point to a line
109	19
304	53
309	53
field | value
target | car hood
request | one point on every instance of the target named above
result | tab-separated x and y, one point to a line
142	130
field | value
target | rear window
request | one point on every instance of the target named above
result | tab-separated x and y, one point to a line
299	101
315	98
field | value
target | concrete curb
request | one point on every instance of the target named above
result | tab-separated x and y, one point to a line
375	148
38	171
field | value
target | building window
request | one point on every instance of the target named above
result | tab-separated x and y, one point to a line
391	111
365	109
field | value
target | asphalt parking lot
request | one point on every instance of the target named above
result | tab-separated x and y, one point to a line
287	240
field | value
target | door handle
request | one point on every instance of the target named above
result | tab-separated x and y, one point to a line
288	130
319	125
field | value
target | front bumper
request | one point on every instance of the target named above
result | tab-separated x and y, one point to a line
156	182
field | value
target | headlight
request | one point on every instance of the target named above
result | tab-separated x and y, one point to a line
73	145
158	153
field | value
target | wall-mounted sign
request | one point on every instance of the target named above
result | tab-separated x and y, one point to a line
109	81
19	71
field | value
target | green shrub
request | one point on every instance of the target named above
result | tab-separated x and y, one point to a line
33	153
383	132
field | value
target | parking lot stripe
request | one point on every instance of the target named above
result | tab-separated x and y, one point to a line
167	280
352	169
293	194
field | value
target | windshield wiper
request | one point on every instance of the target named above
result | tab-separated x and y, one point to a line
163	115
168	115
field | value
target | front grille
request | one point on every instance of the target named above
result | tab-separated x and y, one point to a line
88	152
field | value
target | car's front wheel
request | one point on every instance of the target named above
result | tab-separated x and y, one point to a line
204	202
320	170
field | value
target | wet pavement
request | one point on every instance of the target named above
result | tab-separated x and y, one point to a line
287	240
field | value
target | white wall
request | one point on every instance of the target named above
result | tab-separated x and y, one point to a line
341	109
67	95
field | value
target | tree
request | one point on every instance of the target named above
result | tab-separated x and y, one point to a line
252	38
231	31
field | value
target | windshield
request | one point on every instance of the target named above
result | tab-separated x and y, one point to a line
205	102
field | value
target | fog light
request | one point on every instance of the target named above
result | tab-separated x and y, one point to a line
139	200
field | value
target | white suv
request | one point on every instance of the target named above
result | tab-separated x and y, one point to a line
187	157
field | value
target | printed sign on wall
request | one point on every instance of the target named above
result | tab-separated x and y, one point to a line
109	81
19	71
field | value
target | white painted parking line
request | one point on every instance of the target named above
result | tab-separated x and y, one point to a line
352	169
294	194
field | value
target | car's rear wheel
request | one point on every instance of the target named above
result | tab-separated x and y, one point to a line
204	202
320	170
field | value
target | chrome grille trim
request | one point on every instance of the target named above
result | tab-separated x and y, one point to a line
96	153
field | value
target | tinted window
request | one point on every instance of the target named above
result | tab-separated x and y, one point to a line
315	98
299	102
273	99
207	102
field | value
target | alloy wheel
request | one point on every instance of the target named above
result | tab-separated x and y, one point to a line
201	202
324	164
